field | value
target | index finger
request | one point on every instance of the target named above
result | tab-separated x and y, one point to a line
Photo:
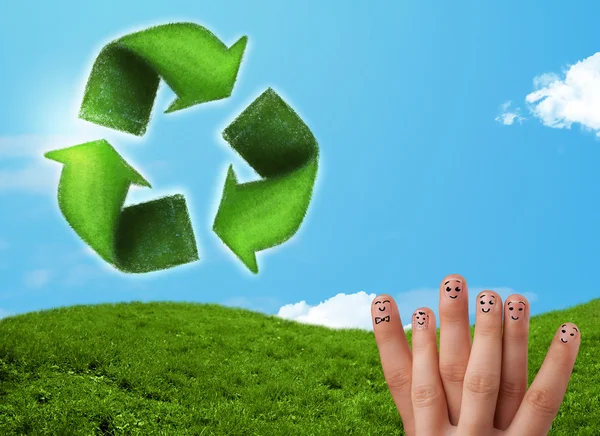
396	357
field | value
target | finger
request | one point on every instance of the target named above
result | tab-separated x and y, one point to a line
455	340
545	395
429	402
482	379
513	381
396	357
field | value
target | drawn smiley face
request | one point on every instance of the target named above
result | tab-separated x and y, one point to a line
420	319
382	309
453	288
382	304
516	309
567	333
487	302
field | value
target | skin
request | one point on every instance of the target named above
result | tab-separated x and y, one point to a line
488	395
455	340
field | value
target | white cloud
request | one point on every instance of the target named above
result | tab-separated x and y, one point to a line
340	311
37	278
508	117
576	99
354	310
561	102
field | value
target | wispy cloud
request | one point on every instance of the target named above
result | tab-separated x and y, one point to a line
508	116
80	274
30	171
258	304
561	100
4	313
25	169
559	103
37	278
354	310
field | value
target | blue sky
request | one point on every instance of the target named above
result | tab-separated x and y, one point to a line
426	169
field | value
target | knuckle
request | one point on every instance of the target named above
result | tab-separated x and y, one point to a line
542	402
487	331
482	385
518	335
513	390
453	373
452	317
399	380
425	395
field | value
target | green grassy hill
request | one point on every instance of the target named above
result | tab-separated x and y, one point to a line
195	369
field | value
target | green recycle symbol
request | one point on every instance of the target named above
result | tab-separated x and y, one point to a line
158	234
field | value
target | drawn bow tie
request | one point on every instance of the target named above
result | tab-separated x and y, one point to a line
385	318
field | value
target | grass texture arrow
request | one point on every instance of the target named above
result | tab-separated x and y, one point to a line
280	147
141	238
122	85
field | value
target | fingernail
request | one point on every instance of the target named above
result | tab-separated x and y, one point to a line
568	332
420	319
453	287
486	302
515	309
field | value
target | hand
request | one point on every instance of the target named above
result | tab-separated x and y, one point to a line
471	389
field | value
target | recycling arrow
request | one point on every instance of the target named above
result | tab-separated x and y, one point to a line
122	86
120	93
140	238
280	147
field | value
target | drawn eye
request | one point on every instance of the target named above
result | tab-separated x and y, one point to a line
572	334
482	302
491	302
510	308
520	308
564	331
448	289
457	289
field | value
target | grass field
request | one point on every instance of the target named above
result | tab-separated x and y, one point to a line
194	369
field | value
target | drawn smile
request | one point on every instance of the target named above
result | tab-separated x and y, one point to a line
421	323
486	311
562	340
456	296
514	318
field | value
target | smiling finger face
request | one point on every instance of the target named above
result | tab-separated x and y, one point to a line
515	309
453	288
568	332
486	302
420	319
382	308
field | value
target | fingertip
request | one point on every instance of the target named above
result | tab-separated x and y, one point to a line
568	333
451	277
516	307
517	298
488	302
423	318
382	297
